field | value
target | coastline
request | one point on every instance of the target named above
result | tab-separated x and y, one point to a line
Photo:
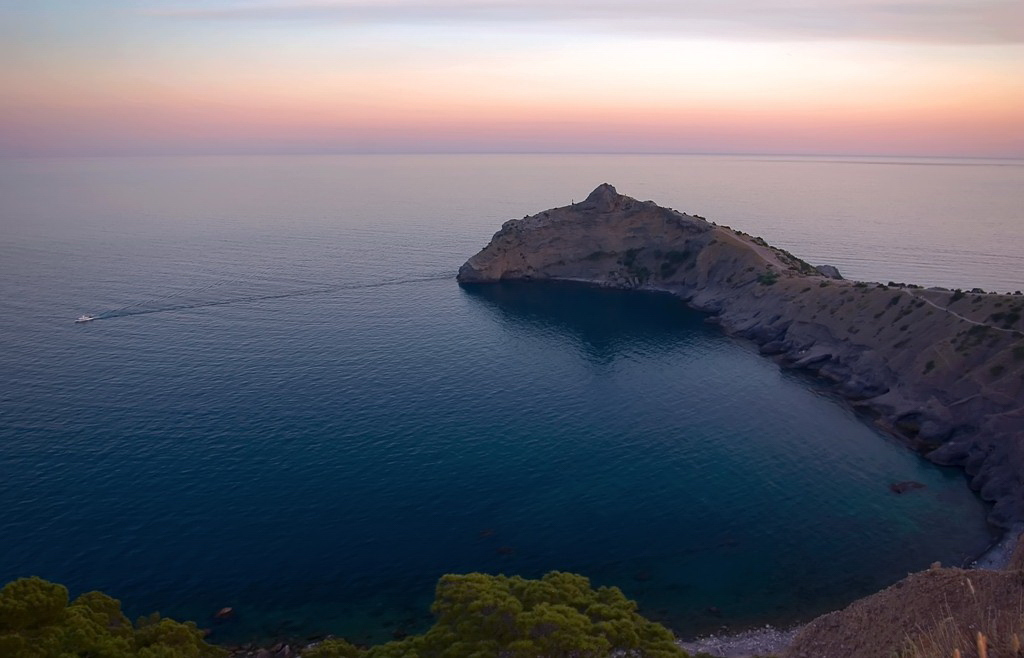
930	367
998	556
822	359
771	640
940	370
753	642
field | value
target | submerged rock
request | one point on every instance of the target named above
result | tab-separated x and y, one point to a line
904	487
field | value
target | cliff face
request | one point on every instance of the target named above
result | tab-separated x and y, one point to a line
944	370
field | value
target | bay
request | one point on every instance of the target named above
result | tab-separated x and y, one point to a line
289	407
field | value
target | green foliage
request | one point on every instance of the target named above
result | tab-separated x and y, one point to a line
479	615
957	296
36	621
792	261
768	278
629	258
638	273
928	367
30	603
676	257
673	259
333	648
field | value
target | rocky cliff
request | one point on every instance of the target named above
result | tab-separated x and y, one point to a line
942	369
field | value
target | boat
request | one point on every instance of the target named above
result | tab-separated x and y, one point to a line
84	318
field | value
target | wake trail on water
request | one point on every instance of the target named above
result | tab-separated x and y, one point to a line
178	301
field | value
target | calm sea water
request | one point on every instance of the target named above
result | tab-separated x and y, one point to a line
289	406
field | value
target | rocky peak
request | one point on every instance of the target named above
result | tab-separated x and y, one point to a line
604	198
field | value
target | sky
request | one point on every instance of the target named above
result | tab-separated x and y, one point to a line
857	77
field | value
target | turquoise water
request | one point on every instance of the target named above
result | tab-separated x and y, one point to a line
289	407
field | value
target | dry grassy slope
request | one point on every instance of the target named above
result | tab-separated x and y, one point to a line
941	369
927	614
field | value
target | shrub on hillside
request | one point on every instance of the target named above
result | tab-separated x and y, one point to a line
36	621
477	615
558	615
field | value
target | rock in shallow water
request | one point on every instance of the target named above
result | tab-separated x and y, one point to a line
904	487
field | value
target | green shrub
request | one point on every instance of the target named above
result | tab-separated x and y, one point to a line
36	621
558	615
30	603
476	615
673	260
333	648
629	258
676	257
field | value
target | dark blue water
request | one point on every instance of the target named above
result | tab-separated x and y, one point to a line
288	406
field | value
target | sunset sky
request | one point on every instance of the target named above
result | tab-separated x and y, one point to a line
910	77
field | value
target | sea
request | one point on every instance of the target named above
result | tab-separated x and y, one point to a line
288	406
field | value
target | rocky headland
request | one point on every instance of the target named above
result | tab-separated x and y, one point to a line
941	369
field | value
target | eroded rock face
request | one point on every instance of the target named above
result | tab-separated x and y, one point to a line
942	369
830	271
606	238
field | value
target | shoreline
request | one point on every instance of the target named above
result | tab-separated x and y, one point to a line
997	556
771	640
941	370
749	642
909	385
752	642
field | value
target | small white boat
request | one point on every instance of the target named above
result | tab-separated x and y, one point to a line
84	318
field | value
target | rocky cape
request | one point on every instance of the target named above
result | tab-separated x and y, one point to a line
943	370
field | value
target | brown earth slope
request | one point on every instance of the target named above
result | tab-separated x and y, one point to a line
925	615
942	369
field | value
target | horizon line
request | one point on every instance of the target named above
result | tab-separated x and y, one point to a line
325	153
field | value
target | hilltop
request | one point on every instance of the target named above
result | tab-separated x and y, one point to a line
941	369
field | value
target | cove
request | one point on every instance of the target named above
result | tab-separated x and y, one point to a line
713	487
320	475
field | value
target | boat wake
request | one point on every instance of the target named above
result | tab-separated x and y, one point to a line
186	299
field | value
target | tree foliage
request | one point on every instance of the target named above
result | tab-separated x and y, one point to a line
36	621
477	616
560	615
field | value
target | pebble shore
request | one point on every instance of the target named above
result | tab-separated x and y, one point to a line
755	642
